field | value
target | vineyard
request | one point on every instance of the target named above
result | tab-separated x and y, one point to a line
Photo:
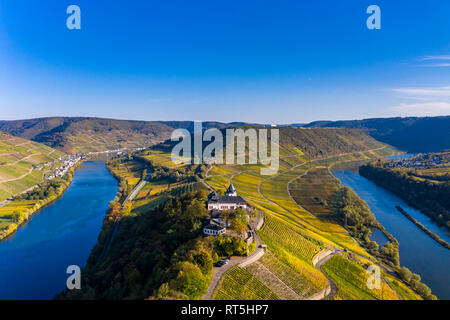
190	187
18	161
240	284
277	234
315	190
300	277
351	279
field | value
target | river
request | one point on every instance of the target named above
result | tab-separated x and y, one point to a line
34	260
418	251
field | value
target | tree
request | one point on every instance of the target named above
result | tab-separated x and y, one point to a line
204	261
16	216
238	225
190	280
405	274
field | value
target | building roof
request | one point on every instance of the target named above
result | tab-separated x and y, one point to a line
214	227
212	195
227	200
231	189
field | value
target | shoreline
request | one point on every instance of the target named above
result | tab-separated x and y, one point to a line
40	204
423	228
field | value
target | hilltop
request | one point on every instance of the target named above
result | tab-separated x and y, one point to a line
83	134
411	134
19	160
307	143
74	135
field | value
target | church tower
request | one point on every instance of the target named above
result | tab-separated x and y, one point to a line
231	191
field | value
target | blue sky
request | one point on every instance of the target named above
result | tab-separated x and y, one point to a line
225	60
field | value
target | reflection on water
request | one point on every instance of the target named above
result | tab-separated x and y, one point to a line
418	251
33	262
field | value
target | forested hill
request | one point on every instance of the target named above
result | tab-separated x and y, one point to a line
412	134
84	134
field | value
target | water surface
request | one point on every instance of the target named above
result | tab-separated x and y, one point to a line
34	260
418	251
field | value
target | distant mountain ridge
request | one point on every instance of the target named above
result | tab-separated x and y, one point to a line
84	134
411	134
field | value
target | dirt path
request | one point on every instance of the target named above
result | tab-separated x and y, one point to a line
18	178
23	159
331	290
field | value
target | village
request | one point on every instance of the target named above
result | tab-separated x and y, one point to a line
62	164
418	161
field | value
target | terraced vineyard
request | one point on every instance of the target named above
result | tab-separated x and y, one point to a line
315	190
351	279
277	234
299	222
297	275
240	284
22	164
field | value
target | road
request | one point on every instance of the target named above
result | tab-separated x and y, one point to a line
218	272
323	295
136	190
130	197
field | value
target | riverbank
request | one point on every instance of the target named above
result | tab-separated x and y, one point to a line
34	261
423	228
21	211
417	189
418	252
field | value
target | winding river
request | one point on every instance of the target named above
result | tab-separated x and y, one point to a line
34	260
418	251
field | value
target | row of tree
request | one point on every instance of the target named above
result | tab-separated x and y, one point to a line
427	195
357	217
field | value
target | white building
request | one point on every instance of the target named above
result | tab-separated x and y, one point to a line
213	230
231	201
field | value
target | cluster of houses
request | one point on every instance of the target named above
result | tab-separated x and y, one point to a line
216	205
67	163
418	161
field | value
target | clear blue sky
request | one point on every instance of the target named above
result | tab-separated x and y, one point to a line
225	60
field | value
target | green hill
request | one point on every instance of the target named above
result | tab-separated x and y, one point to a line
310	143
18	161
412	134
83	134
